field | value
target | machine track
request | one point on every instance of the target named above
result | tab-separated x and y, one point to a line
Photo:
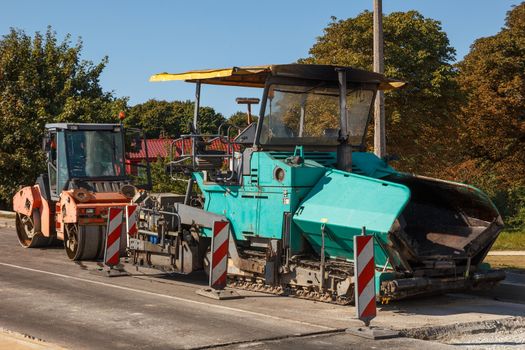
335	269
288	290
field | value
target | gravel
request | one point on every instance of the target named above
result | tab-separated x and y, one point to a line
512	340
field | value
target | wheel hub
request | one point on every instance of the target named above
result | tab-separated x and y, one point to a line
71	241
28	225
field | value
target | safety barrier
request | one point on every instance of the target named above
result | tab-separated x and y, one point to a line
113	234
365	293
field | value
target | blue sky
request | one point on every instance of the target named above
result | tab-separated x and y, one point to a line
146	37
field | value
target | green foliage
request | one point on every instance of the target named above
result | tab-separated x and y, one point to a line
43	80
515	205
493	78
162	182
510	240
492	120
240	119
236	123
171	118
420	117
465	123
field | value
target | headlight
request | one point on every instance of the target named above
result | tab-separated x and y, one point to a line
90	211
81	195
279	174
128	191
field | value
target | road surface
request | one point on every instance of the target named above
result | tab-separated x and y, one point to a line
45	295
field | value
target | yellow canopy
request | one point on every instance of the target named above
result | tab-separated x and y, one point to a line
255	76
235	76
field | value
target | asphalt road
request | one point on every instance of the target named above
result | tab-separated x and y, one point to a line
45	295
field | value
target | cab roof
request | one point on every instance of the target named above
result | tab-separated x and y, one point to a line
255	76
82	126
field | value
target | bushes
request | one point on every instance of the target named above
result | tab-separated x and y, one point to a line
511	204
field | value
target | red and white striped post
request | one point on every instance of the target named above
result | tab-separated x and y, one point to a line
219	256
132	216
113	234
364	271
220	242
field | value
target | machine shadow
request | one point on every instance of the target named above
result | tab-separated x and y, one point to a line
453	304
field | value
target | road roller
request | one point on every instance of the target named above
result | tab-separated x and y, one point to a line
87	173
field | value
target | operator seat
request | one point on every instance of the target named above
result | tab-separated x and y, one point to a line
206	159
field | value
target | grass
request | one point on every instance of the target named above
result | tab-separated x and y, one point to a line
507	262
510	240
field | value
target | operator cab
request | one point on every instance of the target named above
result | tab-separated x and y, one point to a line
321	108
88	156
309	115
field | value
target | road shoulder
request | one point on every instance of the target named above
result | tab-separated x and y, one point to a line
16	341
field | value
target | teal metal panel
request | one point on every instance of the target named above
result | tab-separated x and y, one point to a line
257	207
346	202
368	164
382	276
312	191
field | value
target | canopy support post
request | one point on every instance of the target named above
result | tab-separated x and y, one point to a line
256	141
197	104
344	150
303	112
195	120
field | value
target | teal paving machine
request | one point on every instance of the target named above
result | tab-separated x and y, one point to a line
297	185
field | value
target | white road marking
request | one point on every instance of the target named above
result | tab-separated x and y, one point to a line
222	307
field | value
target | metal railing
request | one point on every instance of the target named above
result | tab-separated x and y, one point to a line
191	159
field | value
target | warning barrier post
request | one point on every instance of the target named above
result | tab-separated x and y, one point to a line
218	266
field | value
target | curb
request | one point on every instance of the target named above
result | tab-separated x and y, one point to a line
7	219
6	224
7	214
507	253
10	340
441	333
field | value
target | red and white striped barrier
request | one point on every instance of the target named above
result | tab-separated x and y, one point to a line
132	215
364	265
113	233
219	257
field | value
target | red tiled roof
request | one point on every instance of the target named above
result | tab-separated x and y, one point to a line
161	148
216	144
156	148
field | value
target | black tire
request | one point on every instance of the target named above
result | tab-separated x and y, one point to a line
84	242
29	233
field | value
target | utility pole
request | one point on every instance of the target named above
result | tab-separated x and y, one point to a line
379	103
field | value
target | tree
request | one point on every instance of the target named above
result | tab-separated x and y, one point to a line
492	121
240	119
172	118
43	80
420	117
162	181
